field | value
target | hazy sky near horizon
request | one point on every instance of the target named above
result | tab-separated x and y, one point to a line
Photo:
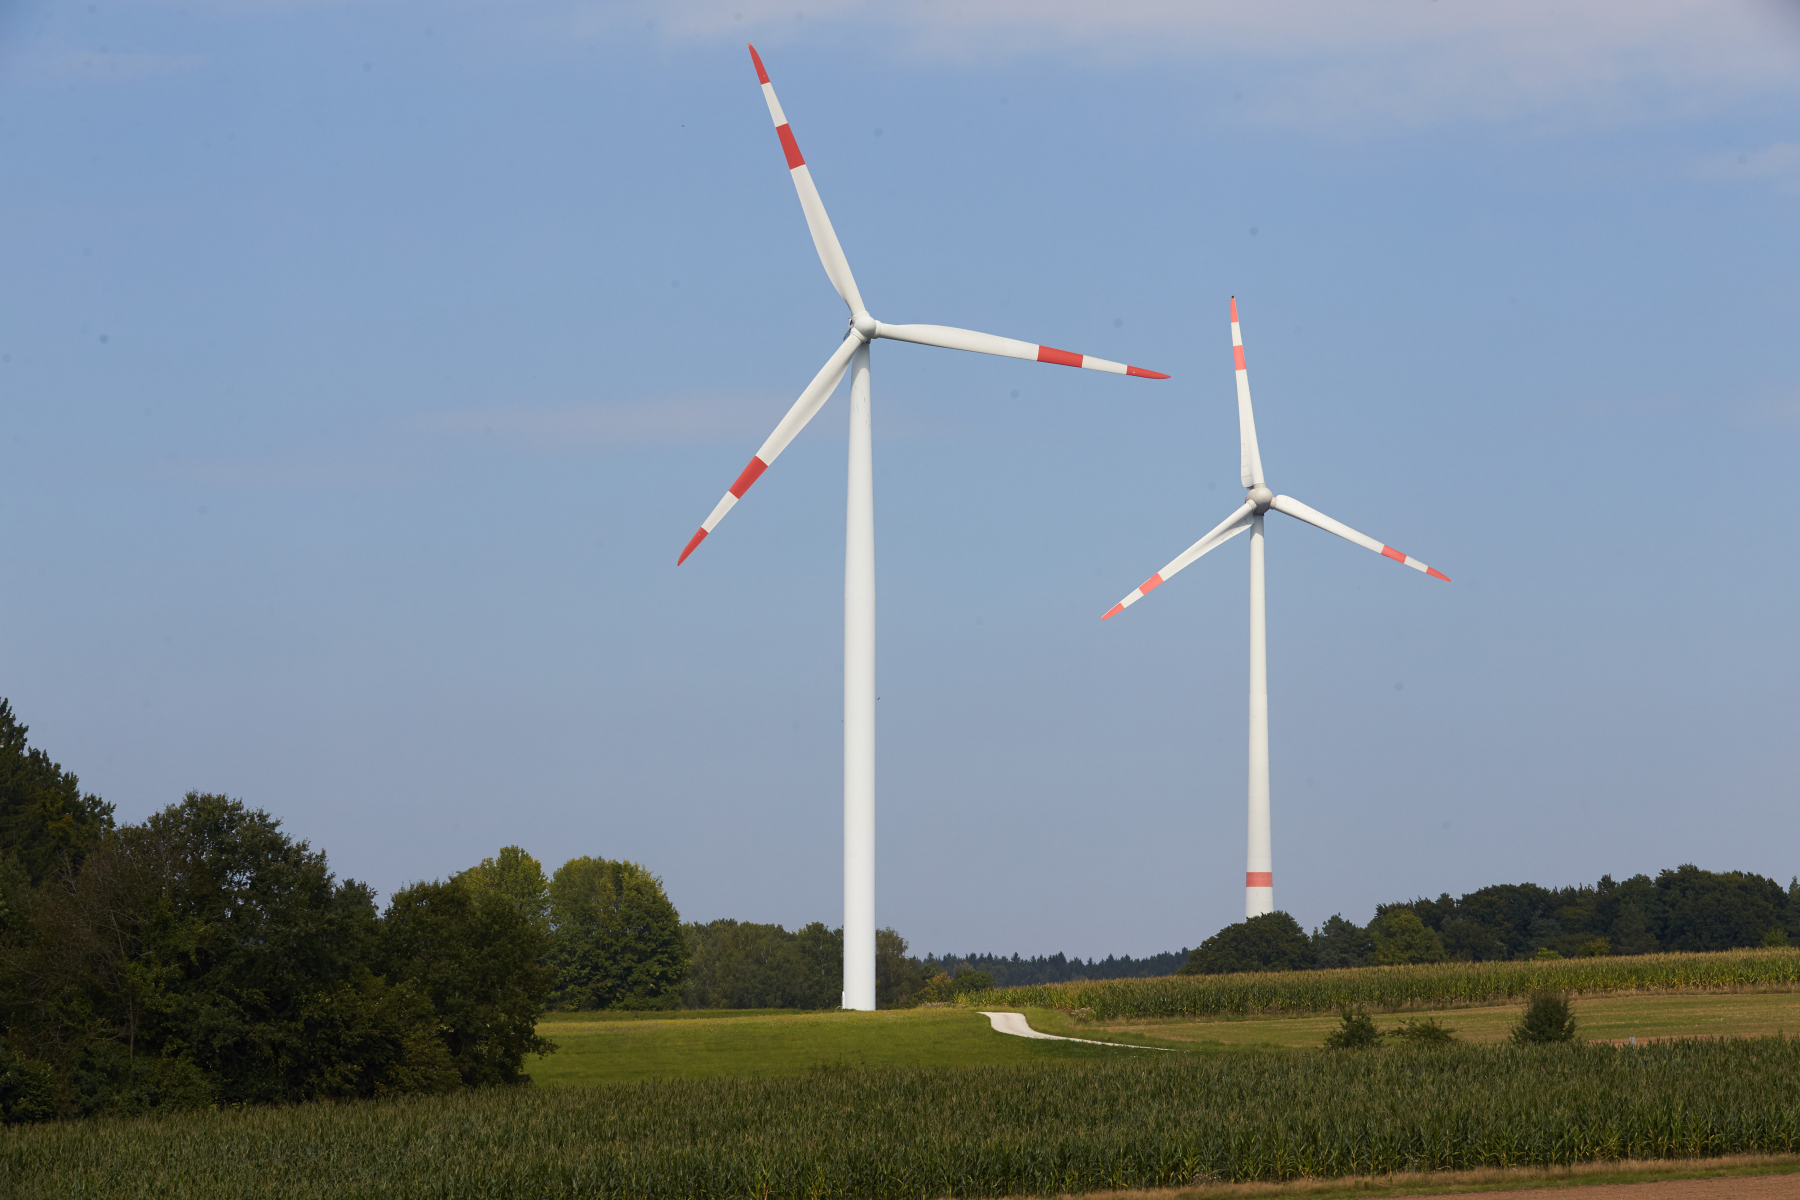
365	364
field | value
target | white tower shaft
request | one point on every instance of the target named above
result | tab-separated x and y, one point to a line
1259	879
859	698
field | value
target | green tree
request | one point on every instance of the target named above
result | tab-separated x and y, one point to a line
45	820
1707	910
741	964
475	957
1341	943
1271	942
1401	937
1631	932
194	958
897	977
518	877
1547	1019
616	941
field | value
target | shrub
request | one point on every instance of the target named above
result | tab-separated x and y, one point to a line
1597	948
1547	1019
1423	1033
1357	1032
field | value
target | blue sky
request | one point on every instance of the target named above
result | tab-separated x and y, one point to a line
364	366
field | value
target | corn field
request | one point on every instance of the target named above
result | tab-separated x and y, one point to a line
1423	985
1102	1120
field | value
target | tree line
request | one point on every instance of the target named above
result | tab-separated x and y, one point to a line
203	956
1681	909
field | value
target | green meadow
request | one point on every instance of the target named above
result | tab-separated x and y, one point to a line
679	1046
616	1047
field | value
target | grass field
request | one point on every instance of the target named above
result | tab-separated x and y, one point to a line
608	1048
1113	1119
1611	1018
1422	985
677	1046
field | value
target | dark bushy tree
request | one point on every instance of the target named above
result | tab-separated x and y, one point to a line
473	955
898	978
741	964
1401	937
46	823
1271	942
1341	943
615	940
1704	910
202	957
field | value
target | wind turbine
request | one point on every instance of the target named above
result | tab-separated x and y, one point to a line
859	534
1259	877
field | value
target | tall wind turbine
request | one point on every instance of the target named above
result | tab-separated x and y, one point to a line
1259	877
859	534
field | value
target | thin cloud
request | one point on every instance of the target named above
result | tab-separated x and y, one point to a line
1327	61
63	66
1778	163
679	421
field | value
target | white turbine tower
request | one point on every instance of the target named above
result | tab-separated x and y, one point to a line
1259	877
859	535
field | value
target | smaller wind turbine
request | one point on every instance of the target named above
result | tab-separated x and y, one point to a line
1259	871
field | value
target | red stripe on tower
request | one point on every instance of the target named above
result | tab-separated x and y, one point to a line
789	146
1390	552
692	542
748	476
1143	374
1237	352
762	76
1061	358
1259	879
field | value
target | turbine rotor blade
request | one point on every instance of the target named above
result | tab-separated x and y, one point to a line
1313	516
825	239
951	338
809	403
1221	533
1249	454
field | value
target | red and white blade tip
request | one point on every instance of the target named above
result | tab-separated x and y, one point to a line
1415	564
746	477
1068	358
1233	299
762	74
1138	593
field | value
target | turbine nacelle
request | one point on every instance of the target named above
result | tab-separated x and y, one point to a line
1261	497
866	326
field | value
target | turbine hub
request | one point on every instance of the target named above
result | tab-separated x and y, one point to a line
865	324
1260	496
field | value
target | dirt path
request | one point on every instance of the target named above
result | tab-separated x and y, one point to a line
1737	1187
1016	1024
